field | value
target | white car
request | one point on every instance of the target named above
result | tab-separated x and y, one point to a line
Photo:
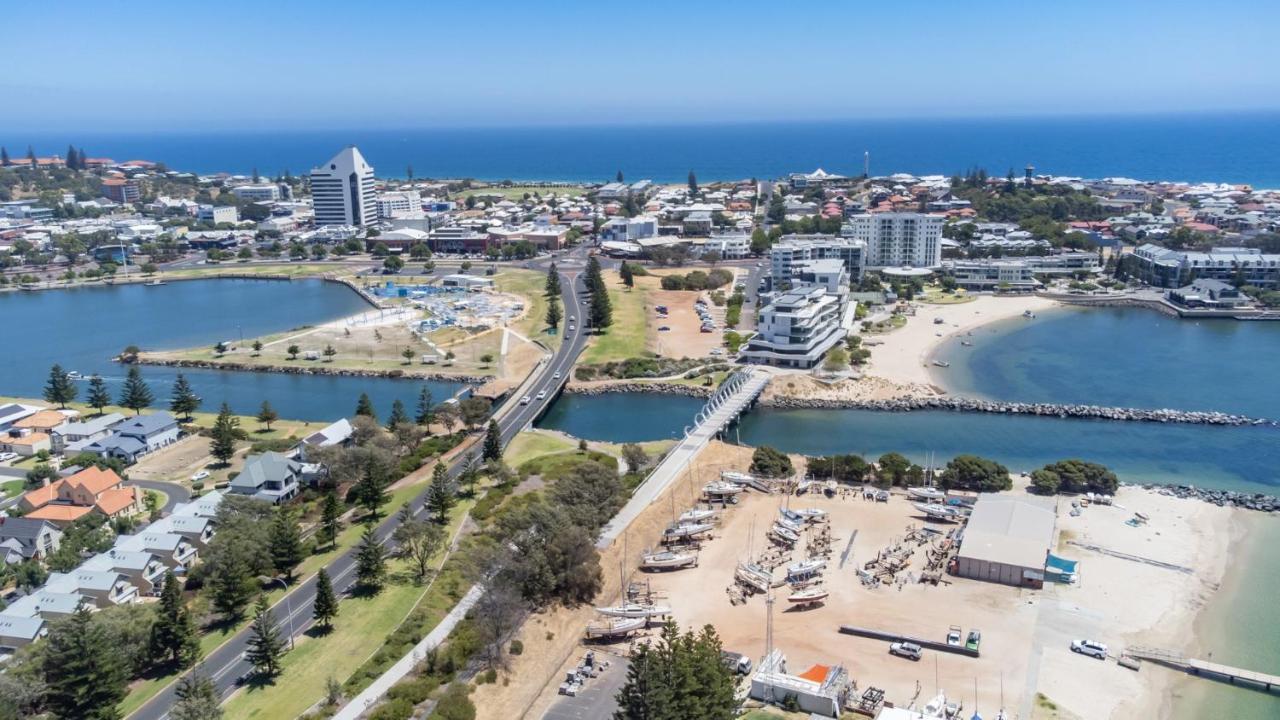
542	395
1091	648
525	400
7	456
571	328
200	476
556	376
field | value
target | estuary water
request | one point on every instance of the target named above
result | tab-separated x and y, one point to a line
83	328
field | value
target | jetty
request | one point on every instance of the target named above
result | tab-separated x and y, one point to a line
1203	668
729	401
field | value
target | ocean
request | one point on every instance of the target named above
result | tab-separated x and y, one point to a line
1236	148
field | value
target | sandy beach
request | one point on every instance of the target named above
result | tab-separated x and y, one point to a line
902	356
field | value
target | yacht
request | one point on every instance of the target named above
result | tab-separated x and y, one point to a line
634	610
667	560
927	494
935	511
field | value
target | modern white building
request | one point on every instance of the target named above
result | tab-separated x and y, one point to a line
792	251
217	214
264	192
731	246
399	204
898	239
342	191
802	324
630	229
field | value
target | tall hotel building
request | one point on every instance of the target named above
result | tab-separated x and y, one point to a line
898	239
342	191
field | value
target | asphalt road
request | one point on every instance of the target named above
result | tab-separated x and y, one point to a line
173	492
226	665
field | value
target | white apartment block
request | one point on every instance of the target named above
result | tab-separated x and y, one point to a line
797	328
793	250
630	229
342	191
399	204
896	239
216	214
264	192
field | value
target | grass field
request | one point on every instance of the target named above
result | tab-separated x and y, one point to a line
531	445
530	285
934	296
279	428
362	625
234	268
625	338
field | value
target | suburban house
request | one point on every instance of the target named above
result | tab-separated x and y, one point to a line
100	588
143	569
137	436
45	604
270	476
13	412
337	433
18	632
175	551
24	441
72	436
44	421
92	489
196	530
27	539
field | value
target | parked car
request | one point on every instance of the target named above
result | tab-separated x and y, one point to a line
201	475
7	456
1091	648
908	650
664	328
974	640
953	636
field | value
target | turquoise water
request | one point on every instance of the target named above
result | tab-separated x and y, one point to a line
621	417
82	328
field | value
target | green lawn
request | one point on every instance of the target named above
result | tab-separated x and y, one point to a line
9	488
362	625
231	267
530	284
279	428
625	338
516	192
528	446
937	297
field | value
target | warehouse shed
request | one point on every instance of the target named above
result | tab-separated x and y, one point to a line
1007	540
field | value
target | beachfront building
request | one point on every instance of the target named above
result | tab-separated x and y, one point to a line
820	690
271	476
1007	540
629	229
792	251
803	323
1208	293
1015	275
342	190
898	239
1163	267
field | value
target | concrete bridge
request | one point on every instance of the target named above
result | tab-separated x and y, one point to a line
733	397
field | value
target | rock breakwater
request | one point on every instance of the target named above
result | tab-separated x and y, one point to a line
1225	498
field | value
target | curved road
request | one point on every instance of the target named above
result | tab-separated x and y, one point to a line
293	612
173	492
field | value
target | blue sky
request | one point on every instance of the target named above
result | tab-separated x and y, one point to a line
146	65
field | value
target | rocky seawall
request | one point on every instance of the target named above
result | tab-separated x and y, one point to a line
960	404
626	386
309	370
1223	498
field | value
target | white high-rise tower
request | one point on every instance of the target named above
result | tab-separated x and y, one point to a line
342	190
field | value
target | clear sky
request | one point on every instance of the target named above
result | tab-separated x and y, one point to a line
148	65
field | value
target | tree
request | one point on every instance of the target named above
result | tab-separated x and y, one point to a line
837	359
628	276
4	157
331	517
265	644
493	442
440	497
635	456
892	469
60	388
173	635
293	351
371	491
474	410
418	542
552	287
29	575
267	415
325	608
99	396
770	463
371	562
286	542
554	313
135	394
329	351
226	428
693	183
197	699
184	400
84	676
448	414
601	314
425	413
454	704
970	472
759	242
1074	476
364	406
398	415
407	354
681	676
257	347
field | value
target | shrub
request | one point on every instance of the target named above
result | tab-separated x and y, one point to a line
771	463
399	709
517	647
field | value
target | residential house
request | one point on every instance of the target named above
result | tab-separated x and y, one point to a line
24	538
43	421
100	588
144	569
13	412
24	441
137	436
196	530
92	489
1208	293
72	436
176	552
270	476
18	632
336	433
45	605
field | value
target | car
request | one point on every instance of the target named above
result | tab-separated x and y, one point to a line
586	303
201	475
542	395
908	650
556	376
717	351
664	328
571	328
1092	648
573	318
974	640
525	400
953	636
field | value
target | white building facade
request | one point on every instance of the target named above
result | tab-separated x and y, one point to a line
898	239
342	191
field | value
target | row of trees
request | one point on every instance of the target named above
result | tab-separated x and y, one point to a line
600	310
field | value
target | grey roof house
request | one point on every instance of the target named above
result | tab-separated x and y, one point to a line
270	476
17	632
73	436
136	437
25	539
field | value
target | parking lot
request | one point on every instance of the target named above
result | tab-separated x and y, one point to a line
596	698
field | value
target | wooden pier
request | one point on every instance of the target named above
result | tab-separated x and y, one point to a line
1206	669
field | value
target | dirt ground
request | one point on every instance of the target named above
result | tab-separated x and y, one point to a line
685	338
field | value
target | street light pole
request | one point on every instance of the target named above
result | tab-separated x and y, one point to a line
288	607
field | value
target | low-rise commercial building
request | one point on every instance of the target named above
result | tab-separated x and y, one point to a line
1007	540
1168	268
218	214
799	326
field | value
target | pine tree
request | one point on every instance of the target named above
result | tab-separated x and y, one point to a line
267	415
71	158
135	394
371	562
173	634
440	495
197	699
325	607
645	695
601	309
618	177
31	157
60	388
331	516
595	277
398	415
265	644
552	289
693	183
99	396
232	587
426	408
493	442
84	677
554	314
371	491
184	400
4	157
225	430
628	277
286	542
364	406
